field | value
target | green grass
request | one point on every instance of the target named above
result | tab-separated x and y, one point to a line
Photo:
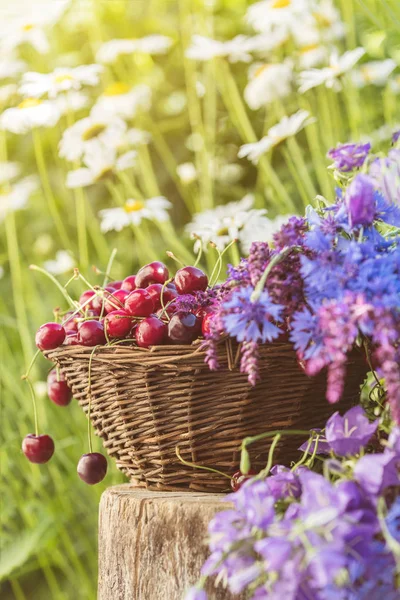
48	516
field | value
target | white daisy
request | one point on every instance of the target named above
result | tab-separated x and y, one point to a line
222	224
133	212
204	48
329	76
15	197
151	44
327	18
187	172
7	92
270	14
59	81
11	66
312	55
30	113
287	127
23	22
9	171
259	229
85	133
62	263
71	102
375	72
268	82
101	163
122	100
137	137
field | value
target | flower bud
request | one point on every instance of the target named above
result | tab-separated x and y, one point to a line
360	201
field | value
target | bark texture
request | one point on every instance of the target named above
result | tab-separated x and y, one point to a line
151	544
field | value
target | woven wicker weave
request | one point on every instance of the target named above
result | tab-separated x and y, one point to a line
146	402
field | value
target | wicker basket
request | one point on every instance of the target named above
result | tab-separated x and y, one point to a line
146	402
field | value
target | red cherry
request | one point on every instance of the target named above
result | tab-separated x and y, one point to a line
156	290
139	303
58	391
238	479
118	324
150	332
206	324
190	279
50	336
91	333
71	339
183	328
92	468
116	284
38	449
116	301
87	295
97	302
70	325
155	272
128	283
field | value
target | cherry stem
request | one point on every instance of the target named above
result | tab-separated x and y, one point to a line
109	266
172	255
218	264
54	280
190	464
26	375
34	406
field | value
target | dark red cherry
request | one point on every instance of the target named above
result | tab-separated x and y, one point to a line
155	272
183	328
97	302
238	479
71	339
116	284
206	323
156	291
128	283
190	279
91	333
150	332
87	295
116	301
139	303
38	449
92	467
50	336
58	390
70	325
118	324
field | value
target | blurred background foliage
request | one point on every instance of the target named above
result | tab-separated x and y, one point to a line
48	516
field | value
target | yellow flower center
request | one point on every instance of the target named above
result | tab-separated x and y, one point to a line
223	231
29	103
261	70
117	89
93	131
308	48
281	3
27	27
133	205
322	20
61	78
367	74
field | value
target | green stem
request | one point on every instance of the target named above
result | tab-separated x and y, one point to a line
48	192
34	405
267	469
56	283
190	464
263	436
274	261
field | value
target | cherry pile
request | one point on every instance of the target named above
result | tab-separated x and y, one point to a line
142	310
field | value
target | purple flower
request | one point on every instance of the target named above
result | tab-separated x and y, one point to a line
249	320
276	551
249	361
348	434
347	157
376	472
395	136
259	257
196	594
360	201
284	484
322	445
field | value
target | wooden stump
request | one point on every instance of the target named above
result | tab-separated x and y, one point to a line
151	544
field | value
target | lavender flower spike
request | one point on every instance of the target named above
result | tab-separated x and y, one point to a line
360	201
348	434
347	157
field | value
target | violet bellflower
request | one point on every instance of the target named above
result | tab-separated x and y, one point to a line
348	434
348	157
360	201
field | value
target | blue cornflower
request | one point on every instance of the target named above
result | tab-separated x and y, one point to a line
249	320
306	334
347	157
